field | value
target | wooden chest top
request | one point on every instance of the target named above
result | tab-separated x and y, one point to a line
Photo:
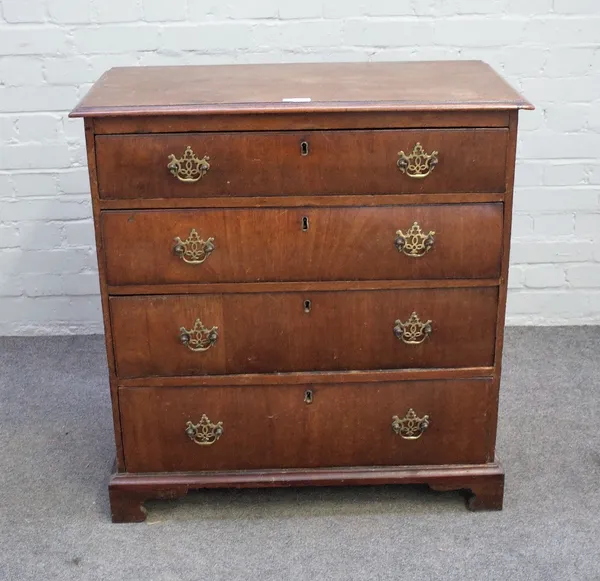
412	86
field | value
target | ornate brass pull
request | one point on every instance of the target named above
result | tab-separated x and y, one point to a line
413	331
414	242
418	164
410	427
204	433
193	250
188	167
198	338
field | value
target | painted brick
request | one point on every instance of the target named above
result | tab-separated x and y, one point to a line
116	39
16	71
80	234
38	127
576	6
9	236
34	156
565	174
80	284
304	9
19	11
587	226
567	118
545	276
554	225
161	11
56	261
480	32
219	37
594	175
40	235
75	181
584	275
51	51
516	276
34	184
28	40
72	12
69	71
570	61
387	32
44	98
117	11
6	186
45	209
346	9
522	225
556	199
10	285
544	252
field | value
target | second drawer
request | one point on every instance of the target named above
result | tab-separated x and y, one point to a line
303	244
233	333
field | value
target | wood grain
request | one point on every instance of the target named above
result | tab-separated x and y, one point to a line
263	245
270	427
305	120
270	163
483	483
255	285
271	332
235	89
332	200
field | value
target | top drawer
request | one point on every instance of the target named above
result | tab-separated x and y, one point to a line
272	163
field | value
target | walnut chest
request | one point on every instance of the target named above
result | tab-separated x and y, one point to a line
303	273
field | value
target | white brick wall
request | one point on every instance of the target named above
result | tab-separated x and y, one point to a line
52	50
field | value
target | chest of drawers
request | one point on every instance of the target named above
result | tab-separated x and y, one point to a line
303	274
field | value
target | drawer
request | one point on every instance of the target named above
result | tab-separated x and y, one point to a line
272	163
174	335
233	428
303	244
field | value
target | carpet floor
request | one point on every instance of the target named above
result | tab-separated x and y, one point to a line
56	454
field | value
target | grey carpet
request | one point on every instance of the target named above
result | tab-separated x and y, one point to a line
57	451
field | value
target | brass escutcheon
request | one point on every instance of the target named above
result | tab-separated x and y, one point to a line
204	433
418	164
410	427
414	242
413	331
198	338
193	249
188	167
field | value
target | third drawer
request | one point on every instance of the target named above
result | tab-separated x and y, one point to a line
236	333
303	244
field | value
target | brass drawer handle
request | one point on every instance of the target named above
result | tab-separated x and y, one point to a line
198	338
413	331
204	433
410	427
188	167
414	242
418	164
193	249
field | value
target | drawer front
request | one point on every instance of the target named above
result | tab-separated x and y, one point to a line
303	244
311	331
271	163
233	428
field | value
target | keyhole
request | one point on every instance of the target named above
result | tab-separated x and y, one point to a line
304	148
308	396
307	306
305	224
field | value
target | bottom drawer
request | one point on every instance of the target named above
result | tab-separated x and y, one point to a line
306	426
